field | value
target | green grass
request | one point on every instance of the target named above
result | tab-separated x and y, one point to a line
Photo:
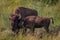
7	7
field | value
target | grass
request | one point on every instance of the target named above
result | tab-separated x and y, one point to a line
7	35
7	7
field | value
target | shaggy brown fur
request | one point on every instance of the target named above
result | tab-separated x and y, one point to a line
19	14
33	22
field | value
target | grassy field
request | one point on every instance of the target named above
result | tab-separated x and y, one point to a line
44	8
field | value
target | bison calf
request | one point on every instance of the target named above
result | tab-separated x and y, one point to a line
33	22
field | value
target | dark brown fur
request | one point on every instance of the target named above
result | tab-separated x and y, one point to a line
12	19
24	12
33	22
19	14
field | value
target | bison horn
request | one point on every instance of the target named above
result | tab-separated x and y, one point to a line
19	17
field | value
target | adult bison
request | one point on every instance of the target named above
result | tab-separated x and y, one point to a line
33	22
18	15
24	12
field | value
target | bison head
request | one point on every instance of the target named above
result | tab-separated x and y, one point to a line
12	18
15	21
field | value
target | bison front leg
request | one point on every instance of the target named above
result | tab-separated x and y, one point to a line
24	31
32	29
15	32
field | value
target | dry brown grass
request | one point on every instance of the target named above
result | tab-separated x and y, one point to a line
38	35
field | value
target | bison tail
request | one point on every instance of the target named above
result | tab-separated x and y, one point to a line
52	19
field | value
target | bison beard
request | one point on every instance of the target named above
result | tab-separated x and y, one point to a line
14	23
16	27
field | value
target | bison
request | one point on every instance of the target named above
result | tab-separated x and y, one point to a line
18	15
24	12
33	22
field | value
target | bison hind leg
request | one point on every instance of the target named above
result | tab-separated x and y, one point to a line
47	28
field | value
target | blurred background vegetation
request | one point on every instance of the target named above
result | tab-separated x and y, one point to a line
49	8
